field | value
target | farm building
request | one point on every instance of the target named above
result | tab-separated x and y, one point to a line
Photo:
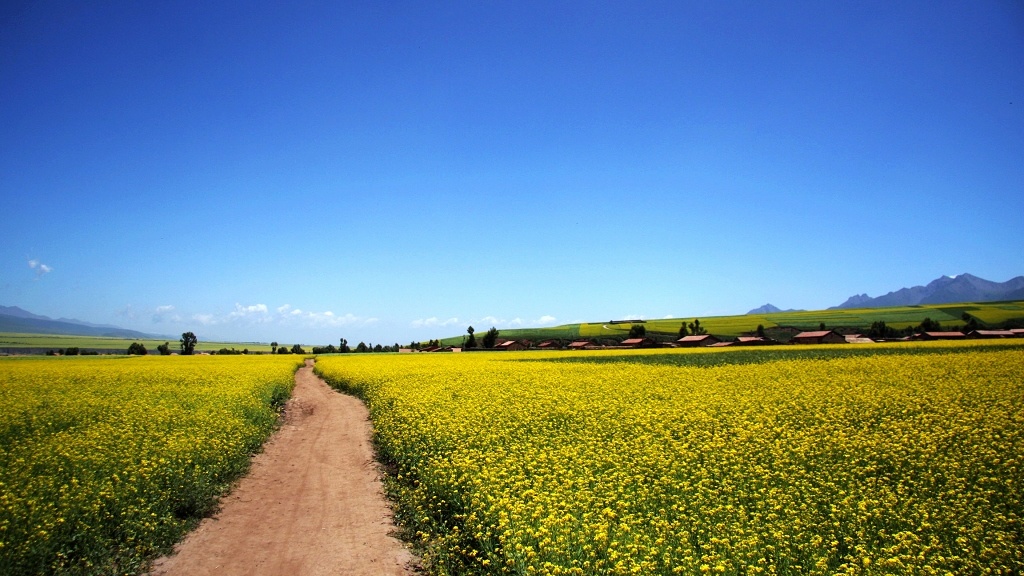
513	345
1018	332
579	345
858	339
721	344
990	334
754	341
819	337
941	336
701	340
639	343
548	345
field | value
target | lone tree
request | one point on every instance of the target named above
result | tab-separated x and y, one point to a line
188	343
683	332
760	331
273	347
471	341
137	349
491	337
343	346
297	349
164	349
637	331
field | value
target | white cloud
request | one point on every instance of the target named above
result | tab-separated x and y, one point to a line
257	311
204	319
492	320
39	267
546	319
166	312
515	322
433	321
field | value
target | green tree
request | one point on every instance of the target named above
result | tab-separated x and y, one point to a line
760	331
491	338
296	349
696	329
188	343
137	349
283	350
273	347
361	347
683	332
343	348
164	349
637	331
471	341
929	325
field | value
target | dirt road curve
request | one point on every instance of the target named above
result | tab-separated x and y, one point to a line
312	503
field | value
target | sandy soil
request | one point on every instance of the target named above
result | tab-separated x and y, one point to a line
312	503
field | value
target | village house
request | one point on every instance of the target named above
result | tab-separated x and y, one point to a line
941	336
819	337
699	340
754	341
579	345
990	334
548	345
513	345
639	343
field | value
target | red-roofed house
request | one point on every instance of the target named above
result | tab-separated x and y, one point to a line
694	341
579	345
941	336
754	341
819	337
639	343
513	345
990	334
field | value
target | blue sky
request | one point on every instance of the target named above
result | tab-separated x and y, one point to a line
385	172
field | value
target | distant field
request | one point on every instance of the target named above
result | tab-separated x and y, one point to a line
949	315
12	342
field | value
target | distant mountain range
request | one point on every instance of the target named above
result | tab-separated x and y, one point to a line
14	319
944	290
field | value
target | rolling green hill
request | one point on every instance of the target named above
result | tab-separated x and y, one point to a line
990	314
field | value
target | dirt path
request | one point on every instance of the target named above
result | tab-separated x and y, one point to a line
312	503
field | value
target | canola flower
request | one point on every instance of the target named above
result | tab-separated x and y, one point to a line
889	464
104	462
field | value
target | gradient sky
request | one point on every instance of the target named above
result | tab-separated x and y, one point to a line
391	171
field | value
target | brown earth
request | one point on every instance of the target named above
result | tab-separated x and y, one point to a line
312	503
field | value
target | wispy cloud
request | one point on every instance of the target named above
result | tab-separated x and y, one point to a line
433	321
546	319
253	313
285	315
39	267
166	312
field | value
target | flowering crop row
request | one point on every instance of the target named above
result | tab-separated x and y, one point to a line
889	464
106	461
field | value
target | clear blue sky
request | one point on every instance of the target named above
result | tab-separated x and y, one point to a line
392	171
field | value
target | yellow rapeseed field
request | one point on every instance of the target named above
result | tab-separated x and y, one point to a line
106	461
905	463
